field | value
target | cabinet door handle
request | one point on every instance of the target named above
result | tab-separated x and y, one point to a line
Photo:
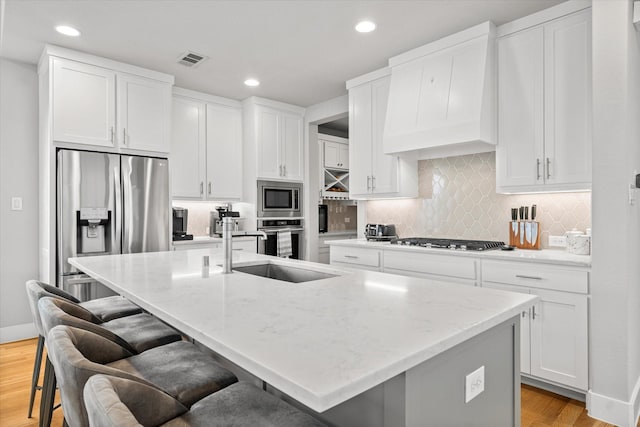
112	134
368	186
537	169
533	312
548	168
524	314
528	277
373	183
351	256
280	167
201	188
284	168
209	188
124	136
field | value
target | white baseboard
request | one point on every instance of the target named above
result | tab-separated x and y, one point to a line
614	411
18	332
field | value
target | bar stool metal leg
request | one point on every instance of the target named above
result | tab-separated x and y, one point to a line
48	395
36	373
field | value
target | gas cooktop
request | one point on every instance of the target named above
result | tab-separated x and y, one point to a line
455	244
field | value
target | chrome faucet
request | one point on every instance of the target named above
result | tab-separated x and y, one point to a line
227	246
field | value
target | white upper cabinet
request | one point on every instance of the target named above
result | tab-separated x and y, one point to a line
441	99
336	152
188	148
73	118
224	152
206	147
96	103
374	174
144	107
544	107
275	138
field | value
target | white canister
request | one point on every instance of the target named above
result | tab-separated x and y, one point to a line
578	243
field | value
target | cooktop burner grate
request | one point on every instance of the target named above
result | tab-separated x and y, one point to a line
456	244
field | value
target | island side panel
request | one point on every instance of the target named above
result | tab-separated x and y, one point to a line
435	389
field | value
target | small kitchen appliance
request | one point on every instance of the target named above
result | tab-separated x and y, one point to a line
380	232
180	219
215	220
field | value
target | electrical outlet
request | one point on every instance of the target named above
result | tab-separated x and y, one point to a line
474	384
558	241
16	203
347	220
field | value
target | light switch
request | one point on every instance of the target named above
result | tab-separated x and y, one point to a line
474	384
16	203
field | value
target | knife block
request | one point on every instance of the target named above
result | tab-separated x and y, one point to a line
524	234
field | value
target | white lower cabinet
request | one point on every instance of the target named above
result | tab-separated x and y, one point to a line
554	332
363	258
456	269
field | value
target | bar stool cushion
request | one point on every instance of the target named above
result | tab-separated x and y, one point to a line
180	369
122	402
136	333
105	309
78	354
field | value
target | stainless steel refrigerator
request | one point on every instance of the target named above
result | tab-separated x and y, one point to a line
108	204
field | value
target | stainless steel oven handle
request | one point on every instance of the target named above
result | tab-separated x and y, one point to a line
274	231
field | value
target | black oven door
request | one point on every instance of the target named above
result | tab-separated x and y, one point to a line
270	246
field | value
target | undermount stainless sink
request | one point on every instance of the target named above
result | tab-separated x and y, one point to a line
283	272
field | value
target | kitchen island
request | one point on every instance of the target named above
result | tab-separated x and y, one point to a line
357	348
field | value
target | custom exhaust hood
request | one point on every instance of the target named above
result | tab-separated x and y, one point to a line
442	99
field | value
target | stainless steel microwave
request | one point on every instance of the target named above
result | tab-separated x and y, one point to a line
279	199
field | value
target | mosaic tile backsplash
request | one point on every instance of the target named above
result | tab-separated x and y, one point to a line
457	199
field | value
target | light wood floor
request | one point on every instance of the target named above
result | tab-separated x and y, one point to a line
539	408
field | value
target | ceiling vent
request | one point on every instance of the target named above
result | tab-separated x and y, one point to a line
191	59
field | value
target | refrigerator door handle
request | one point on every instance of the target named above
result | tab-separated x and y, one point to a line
116	237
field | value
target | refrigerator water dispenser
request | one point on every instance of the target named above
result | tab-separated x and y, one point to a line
93	228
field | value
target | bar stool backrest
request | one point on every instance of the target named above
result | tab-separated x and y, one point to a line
77	355
55	311
112	401
37	290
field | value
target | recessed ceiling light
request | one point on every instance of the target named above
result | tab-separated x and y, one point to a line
67	31
251	82
365	27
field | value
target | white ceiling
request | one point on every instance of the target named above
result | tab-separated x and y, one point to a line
302	51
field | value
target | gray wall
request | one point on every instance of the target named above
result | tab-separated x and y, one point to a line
615	287
18	178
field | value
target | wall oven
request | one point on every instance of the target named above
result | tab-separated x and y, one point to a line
271	227
279	199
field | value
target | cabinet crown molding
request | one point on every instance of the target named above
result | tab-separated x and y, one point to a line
205	97
74	55
256	100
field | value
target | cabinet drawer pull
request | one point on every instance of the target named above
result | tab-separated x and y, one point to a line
520	276
537	169
351	256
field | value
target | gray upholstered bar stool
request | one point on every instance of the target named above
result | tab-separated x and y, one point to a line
105	309
135	333
179	369
123	402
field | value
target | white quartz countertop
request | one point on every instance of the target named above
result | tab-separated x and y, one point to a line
321	342
547	256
